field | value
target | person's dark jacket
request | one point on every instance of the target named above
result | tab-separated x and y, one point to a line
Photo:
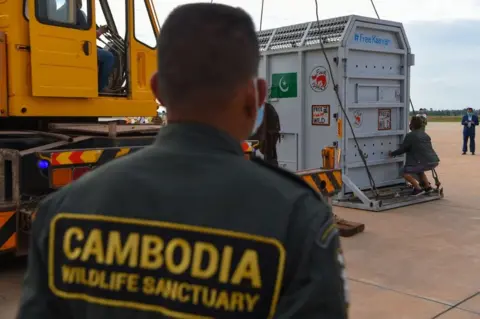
418	147
469	130
194	187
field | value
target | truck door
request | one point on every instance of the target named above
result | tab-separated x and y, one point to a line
63	48
143	27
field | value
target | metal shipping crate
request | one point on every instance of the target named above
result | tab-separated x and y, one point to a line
370	61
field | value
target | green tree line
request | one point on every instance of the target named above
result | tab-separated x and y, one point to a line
443	112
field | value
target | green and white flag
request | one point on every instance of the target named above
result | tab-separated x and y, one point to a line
284	85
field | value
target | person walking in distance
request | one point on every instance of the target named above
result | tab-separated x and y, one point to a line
190	229
469	121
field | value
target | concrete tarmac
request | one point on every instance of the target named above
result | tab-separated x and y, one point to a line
422	261
416	262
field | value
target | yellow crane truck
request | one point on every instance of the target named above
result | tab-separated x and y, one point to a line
50	106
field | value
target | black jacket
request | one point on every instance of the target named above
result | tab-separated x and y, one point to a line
181	229
418	146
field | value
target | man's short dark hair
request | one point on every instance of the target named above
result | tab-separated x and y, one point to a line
204	52
416	123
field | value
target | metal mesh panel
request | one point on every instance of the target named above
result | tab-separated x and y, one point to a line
305	34
264	38
331	31
288	37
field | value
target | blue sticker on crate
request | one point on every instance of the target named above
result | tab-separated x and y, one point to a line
371	39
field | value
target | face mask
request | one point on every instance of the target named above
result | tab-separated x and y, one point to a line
260	111
470	113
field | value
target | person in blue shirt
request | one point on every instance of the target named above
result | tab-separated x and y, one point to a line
469	121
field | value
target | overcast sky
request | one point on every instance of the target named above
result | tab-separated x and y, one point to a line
444	36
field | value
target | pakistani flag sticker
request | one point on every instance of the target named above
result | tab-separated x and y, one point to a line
284	85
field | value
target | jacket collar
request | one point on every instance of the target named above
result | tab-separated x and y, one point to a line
197	137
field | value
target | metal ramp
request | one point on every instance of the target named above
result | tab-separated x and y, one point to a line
388	198
370	63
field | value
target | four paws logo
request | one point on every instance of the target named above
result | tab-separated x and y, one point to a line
319	79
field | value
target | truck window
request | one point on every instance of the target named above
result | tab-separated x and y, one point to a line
25	10
144	31
63	13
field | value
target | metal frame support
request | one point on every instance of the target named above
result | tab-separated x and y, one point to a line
378	205
358	192
14	157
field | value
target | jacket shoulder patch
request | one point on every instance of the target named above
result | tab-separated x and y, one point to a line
287	174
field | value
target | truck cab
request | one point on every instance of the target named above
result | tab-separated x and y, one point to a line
50	104
49	63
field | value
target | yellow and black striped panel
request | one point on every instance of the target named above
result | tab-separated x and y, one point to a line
328	182
110	154
325	181
8	231
90	156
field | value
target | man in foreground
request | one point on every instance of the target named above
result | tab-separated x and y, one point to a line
190	229
469	121
421	156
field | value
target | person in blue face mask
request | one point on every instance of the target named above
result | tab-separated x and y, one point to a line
239	238
268	134
469	121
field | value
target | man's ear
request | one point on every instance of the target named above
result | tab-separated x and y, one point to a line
154	87
262	90
250	107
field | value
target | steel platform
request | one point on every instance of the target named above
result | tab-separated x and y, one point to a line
388	198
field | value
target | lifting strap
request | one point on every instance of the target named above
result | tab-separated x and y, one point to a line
435	177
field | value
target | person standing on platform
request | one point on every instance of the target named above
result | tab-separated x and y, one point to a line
469	121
